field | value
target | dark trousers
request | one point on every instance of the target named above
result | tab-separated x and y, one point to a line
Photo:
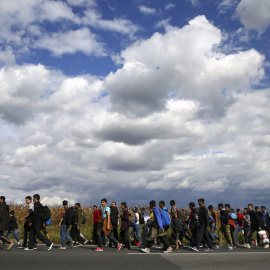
194	232
125	238
203	233
246	231
95	233
101	238
76	234
115	232
35	230
163	239
183	234
232	229
251	232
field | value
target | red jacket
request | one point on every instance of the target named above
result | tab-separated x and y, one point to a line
96	216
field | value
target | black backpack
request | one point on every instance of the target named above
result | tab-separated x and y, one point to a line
45	213
141	218
70	216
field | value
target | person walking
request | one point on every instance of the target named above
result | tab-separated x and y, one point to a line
214	224
63	227
106	227
136	228
35	225
13	227
96	224
76	228
239	226
157	230
246	225
114	220
175	225
4	221
125	225
224	228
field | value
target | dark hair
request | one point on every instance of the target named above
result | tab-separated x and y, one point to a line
28	198
250	204
104	200
257	207
210	207
227	205
124	204
220	204
65	202
136	209
3	198
192	204
114	202
238	210
263	207
37	196
12	213
201	200
172	203
162	203
94	206
152	203
78	204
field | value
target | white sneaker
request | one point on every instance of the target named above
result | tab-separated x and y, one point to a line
168	251
248	246
28	249
19	243
50	247
145	250
266	246
10	246
85	241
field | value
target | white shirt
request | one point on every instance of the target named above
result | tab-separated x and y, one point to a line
31	207
137	217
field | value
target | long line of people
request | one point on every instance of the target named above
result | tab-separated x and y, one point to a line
198	226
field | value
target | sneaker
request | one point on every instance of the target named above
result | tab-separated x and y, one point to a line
145	250
35	247
168	251
85	242
21	246
19	243
138	244
119	246
159	247
28	249
266	246
10	246
229	248
98	249
234	246
50	247
217	247
62	248
248	246
71	244
195	249
209	249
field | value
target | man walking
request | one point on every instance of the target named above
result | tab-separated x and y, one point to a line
63	227
96	224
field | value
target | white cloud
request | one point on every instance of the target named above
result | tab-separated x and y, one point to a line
169	6
194	3
147	10
254	14
70	42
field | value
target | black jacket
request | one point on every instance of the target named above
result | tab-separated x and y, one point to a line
254	219
203	216
114	215
260	219
12	224
4	217
37	211
224	217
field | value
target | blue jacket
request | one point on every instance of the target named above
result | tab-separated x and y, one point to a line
266	218
157	217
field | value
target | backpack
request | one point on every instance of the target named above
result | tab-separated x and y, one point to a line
70	216
233	216
141	218
48	222
166	220
84	217
181	214
45	213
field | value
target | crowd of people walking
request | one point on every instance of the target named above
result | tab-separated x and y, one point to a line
201	226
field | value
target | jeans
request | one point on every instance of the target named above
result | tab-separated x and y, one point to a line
102	234
212	232
246	231
64	235
115	232
95	233
4	238
14	234
237	230
136	229
183	234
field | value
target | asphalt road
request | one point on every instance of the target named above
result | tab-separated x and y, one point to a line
84	258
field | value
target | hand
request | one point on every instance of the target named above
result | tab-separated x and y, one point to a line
78	228
260	228
216	227
59	225
163	230
21	220
208	229
30	224
108	227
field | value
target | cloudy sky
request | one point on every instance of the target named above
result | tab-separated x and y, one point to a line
135	100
